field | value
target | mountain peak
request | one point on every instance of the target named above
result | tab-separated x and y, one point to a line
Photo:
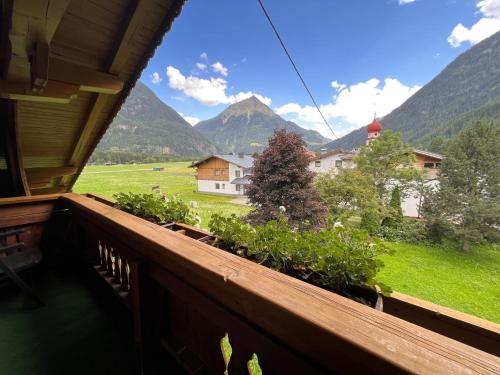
246	107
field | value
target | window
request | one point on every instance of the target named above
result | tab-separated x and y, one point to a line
428	165
338	163
223	186
317	163
217	186
438	165
217	172
238	187
237	173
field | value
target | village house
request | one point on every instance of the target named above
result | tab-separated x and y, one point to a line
332	161
224	174
430	162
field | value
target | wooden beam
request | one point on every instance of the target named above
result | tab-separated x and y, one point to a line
13	156
88	79
32	21
51	190
6	7
53	92
39	63
49	172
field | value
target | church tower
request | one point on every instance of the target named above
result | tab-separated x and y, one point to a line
374	130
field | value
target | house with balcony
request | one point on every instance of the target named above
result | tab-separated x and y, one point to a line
111	293
224	174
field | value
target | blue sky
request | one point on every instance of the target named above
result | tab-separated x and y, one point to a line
358	56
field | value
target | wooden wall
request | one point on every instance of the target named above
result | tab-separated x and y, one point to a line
206	170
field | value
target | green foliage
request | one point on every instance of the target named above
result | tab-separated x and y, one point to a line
253	366
155	208
351	194
386	160
227	351
466	204
394	213
335	258
231	232
411	231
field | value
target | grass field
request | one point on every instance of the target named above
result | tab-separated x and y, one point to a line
177	178
468	282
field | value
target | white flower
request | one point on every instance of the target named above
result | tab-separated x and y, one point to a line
282	209
338	224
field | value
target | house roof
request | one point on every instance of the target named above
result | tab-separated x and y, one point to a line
244	162
343	154
429	154
245	180
59	97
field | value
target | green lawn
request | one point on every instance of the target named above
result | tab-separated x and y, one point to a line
468	282
177	178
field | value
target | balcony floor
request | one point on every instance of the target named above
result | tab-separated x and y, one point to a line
77	332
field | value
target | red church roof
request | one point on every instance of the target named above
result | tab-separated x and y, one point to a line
375	126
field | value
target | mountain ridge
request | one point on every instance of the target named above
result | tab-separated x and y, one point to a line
146	124
469	84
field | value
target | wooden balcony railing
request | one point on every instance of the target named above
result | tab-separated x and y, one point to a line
184	295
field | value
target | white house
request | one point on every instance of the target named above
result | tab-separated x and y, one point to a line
224	174
332	162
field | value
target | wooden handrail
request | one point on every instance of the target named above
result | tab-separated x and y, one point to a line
330	331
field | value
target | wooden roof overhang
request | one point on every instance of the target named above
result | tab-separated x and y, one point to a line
66	67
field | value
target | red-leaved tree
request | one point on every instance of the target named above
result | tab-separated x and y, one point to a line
281	179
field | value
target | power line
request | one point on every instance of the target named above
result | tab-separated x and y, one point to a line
294	66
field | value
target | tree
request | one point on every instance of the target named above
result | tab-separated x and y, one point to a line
351	194
281	179
394	214
466	204
438	144
388	160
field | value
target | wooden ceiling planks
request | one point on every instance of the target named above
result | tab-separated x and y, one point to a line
94	46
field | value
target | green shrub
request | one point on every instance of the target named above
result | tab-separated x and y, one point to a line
231	233
411	231
155	208
334	258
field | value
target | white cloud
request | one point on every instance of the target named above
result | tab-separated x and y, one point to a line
204	56
338	86
490	8
219	68
155	78
191	120
210	91
353	107
485	27
404	2
201	66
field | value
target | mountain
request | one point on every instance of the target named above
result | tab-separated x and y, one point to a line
247	125
468	89
146	124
